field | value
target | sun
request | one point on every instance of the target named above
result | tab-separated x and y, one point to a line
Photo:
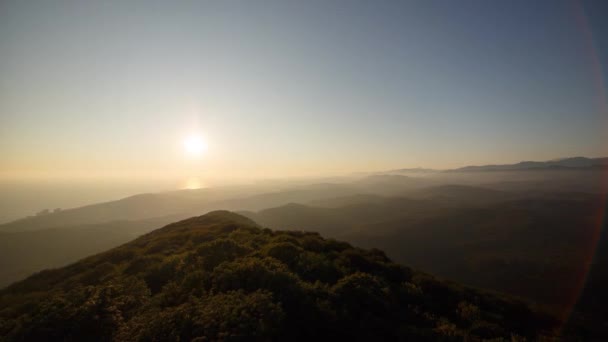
194	146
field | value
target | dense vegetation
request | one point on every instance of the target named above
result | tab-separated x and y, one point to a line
535	247
221	277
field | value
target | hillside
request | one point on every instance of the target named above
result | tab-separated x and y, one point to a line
23	253
43	241
184	203
534	247
573	174
221	277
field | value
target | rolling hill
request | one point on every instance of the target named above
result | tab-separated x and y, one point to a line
23	253
184	203
221	277
584	174
37	242
534	247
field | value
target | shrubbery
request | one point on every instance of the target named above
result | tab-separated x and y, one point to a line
219	277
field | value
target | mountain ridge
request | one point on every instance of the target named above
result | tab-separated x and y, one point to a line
555	164
221	276
190	202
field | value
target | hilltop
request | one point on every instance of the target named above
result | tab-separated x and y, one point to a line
222	277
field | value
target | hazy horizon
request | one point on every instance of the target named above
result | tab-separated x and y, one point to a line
236	90
26	197
100	101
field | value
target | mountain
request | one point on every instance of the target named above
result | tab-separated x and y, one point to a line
221	277
345	215
413	171
462	195
23	253
137	207
566	163
55	239
537	247
28	246
390	185
185	203
366	208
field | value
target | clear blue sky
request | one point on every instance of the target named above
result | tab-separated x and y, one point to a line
111	88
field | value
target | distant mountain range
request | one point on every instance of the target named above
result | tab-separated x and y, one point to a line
555	164
416	170
566	163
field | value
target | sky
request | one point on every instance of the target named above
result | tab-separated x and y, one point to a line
110	89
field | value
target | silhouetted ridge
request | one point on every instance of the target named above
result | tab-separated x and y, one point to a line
556	164
213	218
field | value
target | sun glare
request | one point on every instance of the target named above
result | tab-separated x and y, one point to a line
194	146
193	183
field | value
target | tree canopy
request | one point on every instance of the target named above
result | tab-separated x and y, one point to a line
221	277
